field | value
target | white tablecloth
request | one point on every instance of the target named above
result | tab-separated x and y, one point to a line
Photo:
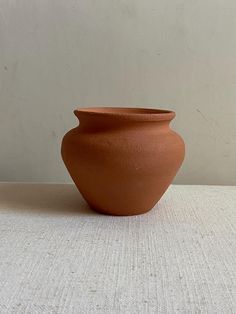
58	256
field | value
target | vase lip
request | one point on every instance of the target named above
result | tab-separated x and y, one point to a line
127	113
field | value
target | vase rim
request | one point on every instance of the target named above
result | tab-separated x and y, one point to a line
130	113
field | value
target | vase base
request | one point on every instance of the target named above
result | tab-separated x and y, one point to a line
118	213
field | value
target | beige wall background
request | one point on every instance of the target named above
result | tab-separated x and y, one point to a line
58	55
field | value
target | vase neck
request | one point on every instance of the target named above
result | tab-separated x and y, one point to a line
97	124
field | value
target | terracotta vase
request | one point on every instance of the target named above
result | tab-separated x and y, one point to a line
122	160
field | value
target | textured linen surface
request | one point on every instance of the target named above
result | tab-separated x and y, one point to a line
58	256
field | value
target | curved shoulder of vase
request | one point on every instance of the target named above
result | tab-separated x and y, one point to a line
179	143
68	140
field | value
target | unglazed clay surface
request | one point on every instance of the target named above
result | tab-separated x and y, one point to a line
122	160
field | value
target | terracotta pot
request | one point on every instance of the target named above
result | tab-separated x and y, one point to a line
122	160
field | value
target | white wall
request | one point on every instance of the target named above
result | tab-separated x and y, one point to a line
57	55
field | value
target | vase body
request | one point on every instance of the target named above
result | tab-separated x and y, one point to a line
122	160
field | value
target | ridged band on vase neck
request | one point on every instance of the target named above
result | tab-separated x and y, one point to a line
126	114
